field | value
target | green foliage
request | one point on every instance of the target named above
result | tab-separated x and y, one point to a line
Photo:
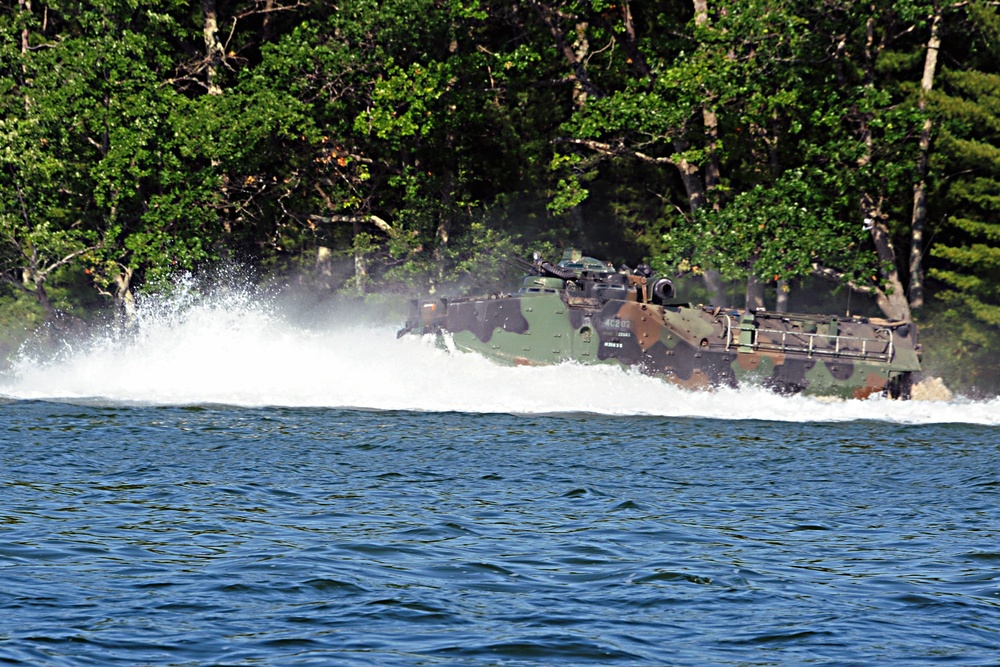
776	232
479	265
419	139
966	259
959	348
20	317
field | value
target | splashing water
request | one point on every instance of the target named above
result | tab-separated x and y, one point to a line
237	348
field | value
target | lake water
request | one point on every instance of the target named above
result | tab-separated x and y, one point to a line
232	488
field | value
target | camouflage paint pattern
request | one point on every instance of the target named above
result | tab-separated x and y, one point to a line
603	318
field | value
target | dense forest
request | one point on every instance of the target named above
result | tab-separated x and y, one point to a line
769	150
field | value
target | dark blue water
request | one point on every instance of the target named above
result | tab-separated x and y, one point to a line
232	536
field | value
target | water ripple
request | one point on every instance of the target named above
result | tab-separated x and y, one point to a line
227	536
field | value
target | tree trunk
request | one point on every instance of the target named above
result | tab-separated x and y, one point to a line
43	299
360	270
713	174
124	299
632	43
781	301
24	6
443	232
267	29
919	219
575	53
581	50
716	288
754	296
214	53
323	269
33	282
754	293
691	177
710	120
892	301
700	12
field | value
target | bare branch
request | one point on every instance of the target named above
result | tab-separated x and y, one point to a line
839	277
269	10
68	258
373	219
614	151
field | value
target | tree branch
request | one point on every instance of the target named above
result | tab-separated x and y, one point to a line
69	258
839	277
613	151
373	219
549	16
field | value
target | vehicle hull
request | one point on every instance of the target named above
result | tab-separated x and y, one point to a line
697	347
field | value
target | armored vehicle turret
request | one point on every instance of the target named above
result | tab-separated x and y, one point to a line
582	309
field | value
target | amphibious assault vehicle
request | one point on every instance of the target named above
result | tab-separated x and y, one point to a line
584	310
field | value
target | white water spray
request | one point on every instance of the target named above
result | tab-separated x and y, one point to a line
236	348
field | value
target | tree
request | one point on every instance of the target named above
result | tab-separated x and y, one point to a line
965	260
872	152
744	76
110	182
405	126
392	144
35	239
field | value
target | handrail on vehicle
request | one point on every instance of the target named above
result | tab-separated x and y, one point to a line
818	343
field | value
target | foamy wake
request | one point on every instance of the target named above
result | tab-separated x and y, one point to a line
238	349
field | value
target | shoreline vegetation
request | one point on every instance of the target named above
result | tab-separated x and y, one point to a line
799	156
